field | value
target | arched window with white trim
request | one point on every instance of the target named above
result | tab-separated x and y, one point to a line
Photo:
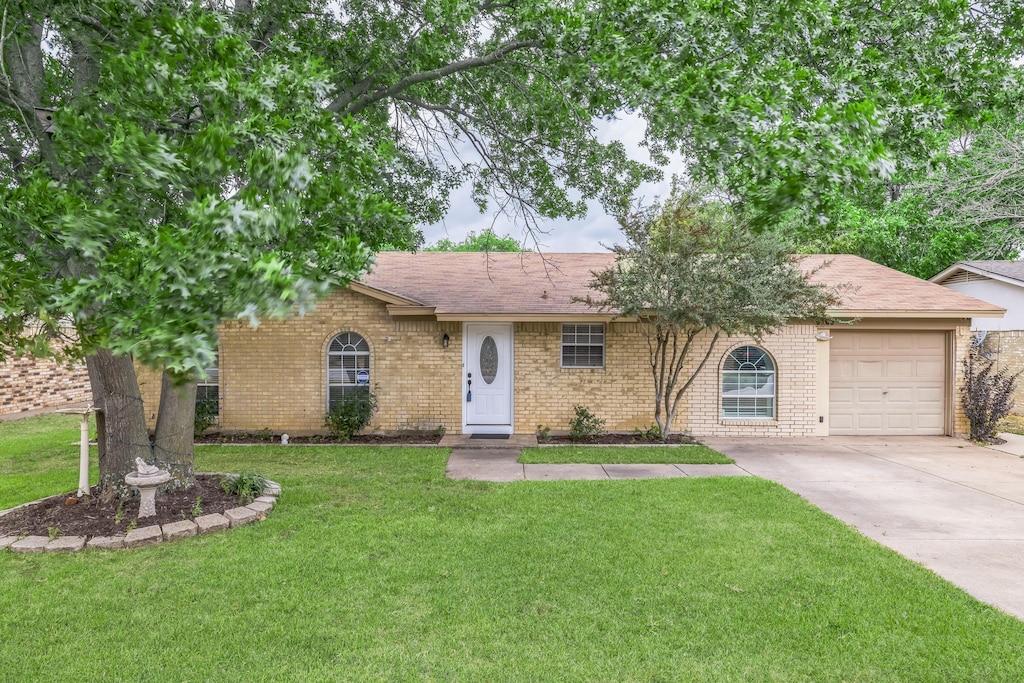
348	368
748	384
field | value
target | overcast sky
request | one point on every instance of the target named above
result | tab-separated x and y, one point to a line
587	234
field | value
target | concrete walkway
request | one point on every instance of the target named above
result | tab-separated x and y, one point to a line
1014	444
954	507
502	464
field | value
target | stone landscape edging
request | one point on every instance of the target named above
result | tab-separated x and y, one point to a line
148	535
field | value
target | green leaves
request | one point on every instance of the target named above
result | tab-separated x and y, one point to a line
690	273
487	240
689	265
209	162
199	179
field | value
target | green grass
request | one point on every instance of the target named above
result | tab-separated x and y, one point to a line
1013	424
375	567
39	458
614	455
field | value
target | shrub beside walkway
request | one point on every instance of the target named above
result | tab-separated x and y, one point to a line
502	464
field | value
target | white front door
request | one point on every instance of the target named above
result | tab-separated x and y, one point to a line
487	378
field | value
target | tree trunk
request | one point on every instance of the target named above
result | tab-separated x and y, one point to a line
173	445
121	420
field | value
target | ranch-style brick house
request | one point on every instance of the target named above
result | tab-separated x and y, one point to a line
495	344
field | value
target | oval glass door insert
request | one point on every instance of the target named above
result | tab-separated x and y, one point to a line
488	359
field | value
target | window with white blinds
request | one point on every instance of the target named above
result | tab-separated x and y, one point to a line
348	368
582	345
748	384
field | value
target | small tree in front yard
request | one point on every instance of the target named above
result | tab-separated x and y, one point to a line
986	393
690	267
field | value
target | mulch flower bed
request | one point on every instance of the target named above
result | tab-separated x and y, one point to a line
620	439
431	437
92	517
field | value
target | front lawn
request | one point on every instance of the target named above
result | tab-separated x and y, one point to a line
615	455
376	567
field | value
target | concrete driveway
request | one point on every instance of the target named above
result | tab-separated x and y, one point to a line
954	507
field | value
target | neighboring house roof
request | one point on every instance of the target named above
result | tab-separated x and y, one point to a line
1010	272
531	286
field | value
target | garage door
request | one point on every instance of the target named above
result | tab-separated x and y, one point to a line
887	383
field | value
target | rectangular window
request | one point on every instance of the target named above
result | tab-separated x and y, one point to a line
583	345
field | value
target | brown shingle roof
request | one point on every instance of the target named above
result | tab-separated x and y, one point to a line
495	283
532	284
877	289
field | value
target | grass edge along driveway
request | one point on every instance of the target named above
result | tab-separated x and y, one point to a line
375	567
617	455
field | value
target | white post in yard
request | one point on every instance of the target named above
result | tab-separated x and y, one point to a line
83	453
83	457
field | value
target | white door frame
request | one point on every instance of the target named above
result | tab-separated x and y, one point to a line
479	428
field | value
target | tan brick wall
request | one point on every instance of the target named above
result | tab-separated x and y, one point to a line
621	393
274	376
28	383
149	388
962	347
1008	345
794	351
545	393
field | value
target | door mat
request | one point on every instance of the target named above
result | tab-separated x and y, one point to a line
488	436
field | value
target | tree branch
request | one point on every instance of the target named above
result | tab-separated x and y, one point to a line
353	103
24	79
693	376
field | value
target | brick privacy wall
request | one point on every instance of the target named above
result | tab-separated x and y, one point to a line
28	383
1008	345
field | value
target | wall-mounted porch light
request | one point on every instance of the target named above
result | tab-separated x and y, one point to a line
444	340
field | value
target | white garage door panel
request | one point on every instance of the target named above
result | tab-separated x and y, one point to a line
900	368
887	383
868	396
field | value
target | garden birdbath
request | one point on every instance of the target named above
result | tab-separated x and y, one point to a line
146	479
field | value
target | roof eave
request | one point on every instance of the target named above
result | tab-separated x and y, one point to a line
869	313
381	295
404	311
525	317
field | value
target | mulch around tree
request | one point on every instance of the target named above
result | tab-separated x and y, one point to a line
92	517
